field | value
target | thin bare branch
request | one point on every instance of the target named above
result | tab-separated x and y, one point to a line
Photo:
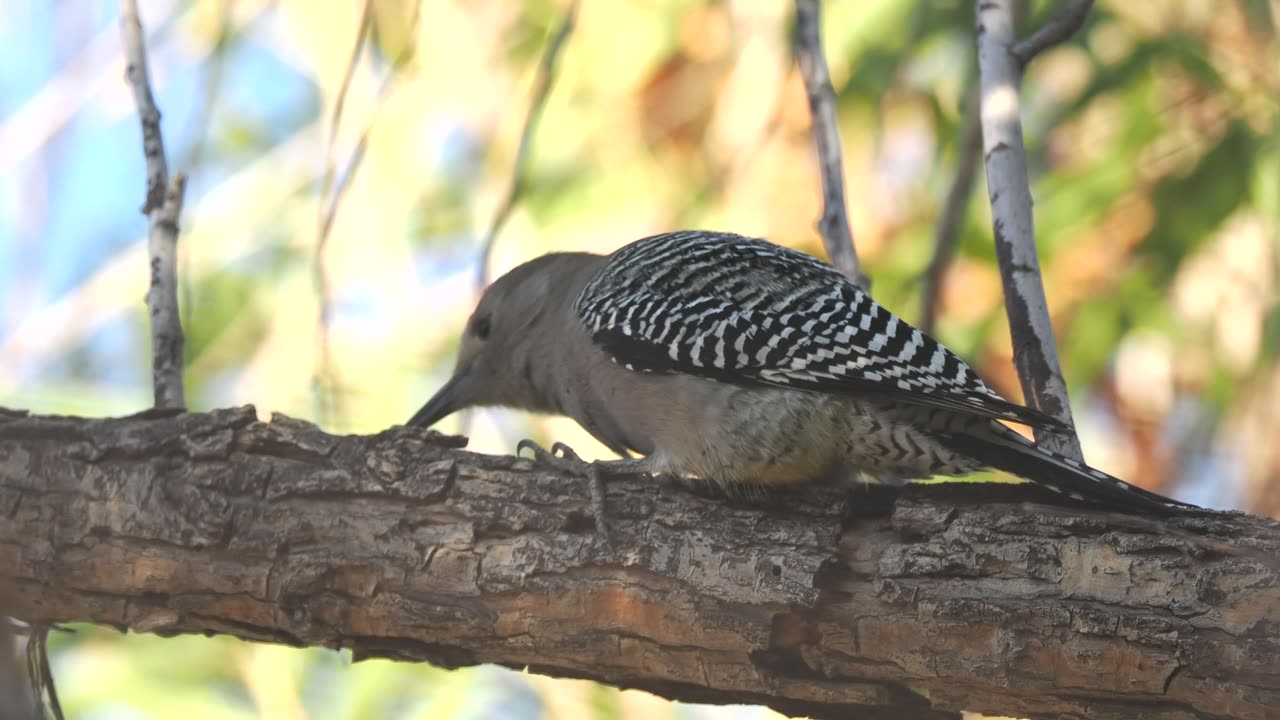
1035	352
163	205
139	77
837	233
327	206
953	212
336	189
1056	30
162	298
20	697
39	657
538	101
333	189
322	379
212	86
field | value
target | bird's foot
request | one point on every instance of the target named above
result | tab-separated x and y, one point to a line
561	457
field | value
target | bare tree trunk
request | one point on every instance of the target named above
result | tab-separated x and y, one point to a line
829	603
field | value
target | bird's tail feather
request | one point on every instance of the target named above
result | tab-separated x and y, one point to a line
1004	449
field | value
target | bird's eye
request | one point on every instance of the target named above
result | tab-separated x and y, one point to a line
480	327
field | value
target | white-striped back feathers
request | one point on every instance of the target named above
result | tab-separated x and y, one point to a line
747	311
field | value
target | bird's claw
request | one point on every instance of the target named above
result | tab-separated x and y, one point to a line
560	456
566	453
563	458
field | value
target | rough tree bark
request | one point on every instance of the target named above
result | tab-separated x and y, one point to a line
854	604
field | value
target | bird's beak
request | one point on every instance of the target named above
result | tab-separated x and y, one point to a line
449	399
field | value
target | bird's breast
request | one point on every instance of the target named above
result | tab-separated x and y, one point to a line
701	428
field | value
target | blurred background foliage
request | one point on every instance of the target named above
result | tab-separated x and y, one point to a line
1154	147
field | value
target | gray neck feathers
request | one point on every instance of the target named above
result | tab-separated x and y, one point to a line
552	350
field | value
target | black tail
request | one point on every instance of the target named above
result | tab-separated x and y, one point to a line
1004	449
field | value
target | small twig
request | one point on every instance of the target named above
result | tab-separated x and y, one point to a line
335	121
1035	352
216	67
538	101
163	205
837	234
322	379
334	186
139	78
55	706
14	677
38	681
44	694
953	212
212	87
333	189
1054	31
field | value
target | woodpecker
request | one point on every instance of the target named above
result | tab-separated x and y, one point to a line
738	361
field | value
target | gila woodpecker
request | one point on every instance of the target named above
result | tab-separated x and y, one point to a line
736	360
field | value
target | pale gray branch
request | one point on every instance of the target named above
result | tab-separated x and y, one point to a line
139	77
1035	352
163	206
162	298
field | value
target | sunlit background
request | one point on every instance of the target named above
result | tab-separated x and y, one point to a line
1154	148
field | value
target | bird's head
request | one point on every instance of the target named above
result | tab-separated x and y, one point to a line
510	340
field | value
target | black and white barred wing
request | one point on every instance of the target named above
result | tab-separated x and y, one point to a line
748	312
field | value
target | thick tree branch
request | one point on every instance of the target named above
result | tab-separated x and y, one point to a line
984	597
836	230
